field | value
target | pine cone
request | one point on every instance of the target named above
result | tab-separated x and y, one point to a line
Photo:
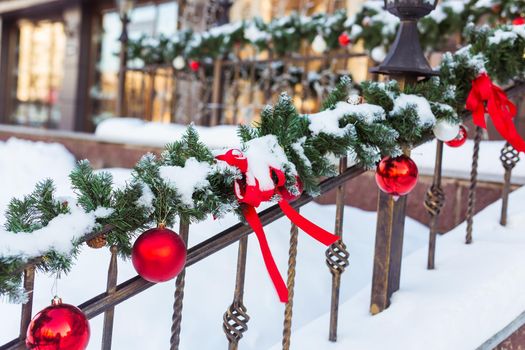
97	242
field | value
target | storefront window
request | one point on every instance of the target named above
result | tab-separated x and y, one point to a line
39	73
152	19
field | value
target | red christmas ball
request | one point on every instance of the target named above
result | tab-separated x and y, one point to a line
518	21
58	327
396	176
460	139
344	39
158	255
195	65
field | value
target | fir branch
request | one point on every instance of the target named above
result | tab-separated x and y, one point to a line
93	190
339	93
177	153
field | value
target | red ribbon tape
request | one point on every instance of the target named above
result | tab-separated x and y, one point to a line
251	196
307	226
253	220
487	97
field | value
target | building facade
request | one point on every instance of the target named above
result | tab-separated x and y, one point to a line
59	58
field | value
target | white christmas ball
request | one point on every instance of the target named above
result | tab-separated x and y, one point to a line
179	62
445	130
378	54
319	44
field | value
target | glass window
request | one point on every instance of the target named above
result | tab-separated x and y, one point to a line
39	73
150	19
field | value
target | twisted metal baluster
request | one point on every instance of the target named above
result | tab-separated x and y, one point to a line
179	294
288	310
235	319
509	158
434	201
27	308
473	185
109	315
337	256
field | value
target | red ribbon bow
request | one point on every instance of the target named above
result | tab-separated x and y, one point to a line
251	196
487	97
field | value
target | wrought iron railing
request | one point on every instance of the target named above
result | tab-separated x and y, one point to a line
230	91
387	256
435	197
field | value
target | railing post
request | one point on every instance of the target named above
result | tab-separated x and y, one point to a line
235	319
107	332
434	201
290	283
304	82
337	255
179	294
27	308
389	241
509	158
236	93
204	97
268	87
217	93
123	60
388	250
152	93
472	188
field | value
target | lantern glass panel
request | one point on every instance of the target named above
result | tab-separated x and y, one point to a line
125	7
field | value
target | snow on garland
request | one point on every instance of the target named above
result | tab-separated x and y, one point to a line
58	235
187	182
188	179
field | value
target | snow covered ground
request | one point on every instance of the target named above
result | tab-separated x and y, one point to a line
474	292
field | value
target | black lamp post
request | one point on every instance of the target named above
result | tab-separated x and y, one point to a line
406	56
405	62
124	8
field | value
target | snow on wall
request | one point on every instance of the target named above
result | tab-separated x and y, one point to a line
137	131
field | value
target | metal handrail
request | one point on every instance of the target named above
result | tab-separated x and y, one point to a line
133	286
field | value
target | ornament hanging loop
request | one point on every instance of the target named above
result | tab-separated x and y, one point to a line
56	300
54	289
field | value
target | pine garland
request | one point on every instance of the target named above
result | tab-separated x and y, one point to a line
372	25
381	127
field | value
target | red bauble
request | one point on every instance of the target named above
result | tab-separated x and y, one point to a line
344	39
195	65
288	196
396	176
518	21
158	255
460	139
58	327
